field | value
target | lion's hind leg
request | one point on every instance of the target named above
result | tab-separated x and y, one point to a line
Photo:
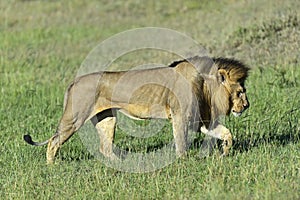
106	131
64	132
72	119
222	133
180	130
67	127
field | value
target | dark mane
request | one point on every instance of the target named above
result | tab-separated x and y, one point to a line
235	67
193	60
175	63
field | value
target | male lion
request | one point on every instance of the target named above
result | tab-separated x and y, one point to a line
188	92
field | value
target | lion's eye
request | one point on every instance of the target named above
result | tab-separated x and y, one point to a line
239	94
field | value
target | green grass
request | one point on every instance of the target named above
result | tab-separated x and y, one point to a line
42	46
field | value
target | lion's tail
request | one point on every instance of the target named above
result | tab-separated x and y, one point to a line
29	140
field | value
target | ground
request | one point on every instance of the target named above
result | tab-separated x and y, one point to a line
43	44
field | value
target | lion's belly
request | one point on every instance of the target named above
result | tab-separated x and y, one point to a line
145	112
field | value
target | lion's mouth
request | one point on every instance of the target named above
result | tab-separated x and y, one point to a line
237	114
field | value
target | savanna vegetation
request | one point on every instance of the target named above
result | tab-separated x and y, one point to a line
42	45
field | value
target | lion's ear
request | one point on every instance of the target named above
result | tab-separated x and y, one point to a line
222	75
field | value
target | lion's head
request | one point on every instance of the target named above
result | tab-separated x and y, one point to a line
232	75
239	100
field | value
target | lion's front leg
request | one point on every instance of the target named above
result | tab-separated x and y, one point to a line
227	143
222	133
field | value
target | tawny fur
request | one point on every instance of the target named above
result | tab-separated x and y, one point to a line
196	90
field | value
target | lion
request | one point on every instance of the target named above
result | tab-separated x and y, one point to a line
191	93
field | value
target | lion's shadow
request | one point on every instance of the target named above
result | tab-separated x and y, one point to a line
245	145
275	139
239	146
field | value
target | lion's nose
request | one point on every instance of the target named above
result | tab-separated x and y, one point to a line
246	105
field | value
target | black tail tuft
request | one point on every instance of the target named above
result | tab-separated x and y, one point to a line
28	139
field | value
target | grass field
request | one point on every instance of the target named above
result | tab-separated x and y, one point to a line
42	45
